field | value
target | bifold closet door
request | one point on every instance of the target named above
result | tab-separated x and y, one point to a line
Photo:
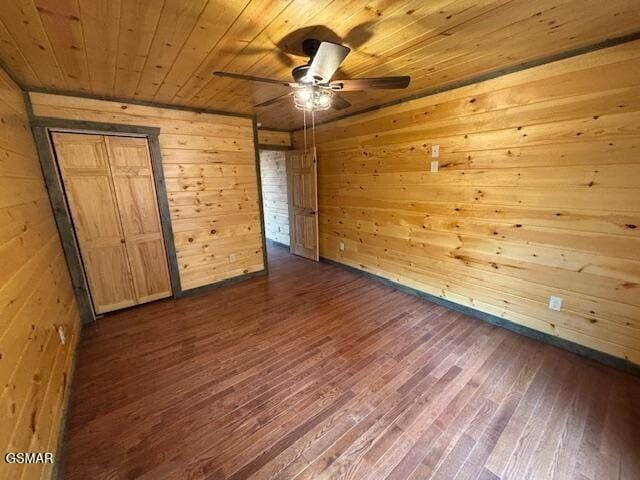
136	197
111	195
84	165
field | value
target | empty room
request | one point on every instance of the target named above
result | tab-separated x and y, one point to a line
320	239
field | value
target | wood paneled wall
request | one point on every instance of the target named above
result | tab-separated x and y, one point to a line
538	194
273	170
274	138
36	298
210	170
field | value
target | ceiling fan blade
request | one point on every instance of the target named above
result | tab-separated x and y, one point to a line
362	84
251	78
274	100
326	61
339	102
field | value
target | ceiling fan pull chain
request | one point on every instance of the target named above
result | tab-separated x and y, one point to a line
313	132
304	123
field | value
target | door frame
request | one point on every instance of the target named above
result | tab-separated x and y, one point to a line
268	148
259	147
42	127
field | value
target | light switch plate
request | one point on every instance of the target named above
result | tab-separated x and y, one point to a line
232	257
555	303
435	151
341	246
434	166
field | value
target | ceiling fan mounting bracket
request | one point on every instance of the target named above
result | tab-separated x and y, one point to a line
310	47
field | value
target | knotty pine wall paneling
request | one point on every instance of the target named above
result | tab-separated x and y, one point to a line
538	194
210	173
36	298
274	139
273	171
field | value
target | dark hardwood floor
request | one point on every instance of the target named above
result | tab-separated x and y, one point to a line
315	372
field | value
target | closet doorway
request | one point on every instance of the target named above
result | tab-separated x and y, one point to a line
110	192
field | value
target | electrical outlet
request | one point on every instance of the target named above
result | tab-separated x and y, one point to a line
555	303
435	151
341	246
232	257
434	166
63	338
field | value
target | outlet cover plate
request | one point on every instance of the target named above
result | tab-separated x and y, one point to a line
555	303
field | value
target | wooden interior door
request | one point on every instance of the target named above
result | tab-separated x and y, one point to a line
137	203
303	203
84	165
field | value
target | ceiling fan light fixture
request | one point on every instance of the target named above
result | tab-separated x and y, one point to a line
324	100
304	94
312	99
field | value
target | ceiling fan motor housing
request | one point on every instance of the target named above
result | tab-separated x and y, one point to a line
310	47
299	73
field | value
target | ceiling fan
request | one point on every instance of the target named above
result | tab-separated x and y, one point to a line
313	87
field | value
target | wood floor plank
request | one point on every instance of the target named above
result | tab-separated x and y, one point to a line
376	400
460	412
447	462
315	372
381	423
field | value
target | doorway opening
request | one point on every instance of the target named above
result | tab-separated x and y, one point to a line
290	200
273	174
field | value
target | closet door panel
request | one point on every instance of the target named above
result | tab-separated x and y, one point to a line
106	265
150	274
139	215
85	172
93	206
136	197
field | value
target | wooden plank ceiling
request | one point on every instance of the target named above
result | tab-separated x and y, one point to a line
165	51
